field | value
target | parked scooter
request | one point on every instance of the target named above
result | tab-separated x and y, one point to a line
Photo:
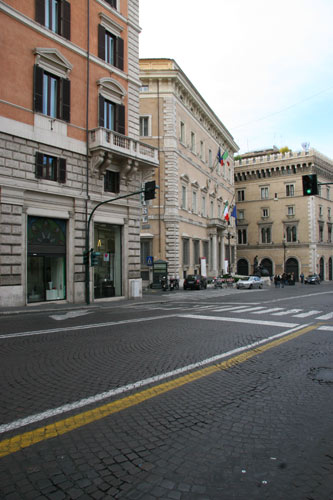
164	283
174	284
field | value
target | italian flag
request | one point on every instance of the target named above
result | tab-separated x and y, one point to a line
226	211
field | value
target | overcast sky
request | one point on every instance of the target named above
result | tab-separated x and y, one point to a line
265	67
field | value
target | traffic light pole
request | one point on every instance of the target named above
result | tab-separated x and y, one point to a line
149	191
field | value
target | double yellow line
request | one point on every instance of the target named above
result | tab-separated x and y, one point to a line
69	424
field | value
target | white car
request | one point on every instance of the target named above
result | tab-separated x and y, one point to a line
250	282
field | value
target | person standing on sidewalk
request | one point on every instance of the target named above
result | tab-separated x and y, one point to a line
302	277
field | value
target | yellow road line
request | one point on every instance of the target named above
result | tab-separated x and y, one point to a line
63	426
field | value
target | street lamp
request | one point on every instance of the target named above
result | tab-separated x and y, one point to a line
284	254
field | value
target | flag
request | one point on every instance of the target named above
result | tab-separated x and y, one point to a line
234	214
226	211
219	157
225	155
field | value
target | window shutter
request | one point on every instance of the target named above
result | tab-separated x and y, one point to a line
120	53
101	42
65	22
39	165
62	171
120	119
40	11
66	98
38	88
101	110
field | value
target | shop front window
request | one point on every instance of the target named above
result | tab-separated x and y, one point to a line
46	262
108	271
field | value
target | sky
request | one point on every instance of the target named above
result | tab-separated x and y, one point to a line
265	67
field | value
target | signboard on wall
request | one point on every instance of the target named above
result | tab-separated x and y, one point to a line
203	266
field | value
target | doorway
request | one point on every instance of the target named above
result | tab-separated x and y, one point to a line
46	278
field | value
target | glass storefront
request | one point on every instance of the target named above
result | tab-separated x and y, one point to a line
108	271
46	263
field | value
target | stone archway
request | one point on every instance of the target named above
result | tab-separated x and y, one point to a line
243	267
292	267
267	264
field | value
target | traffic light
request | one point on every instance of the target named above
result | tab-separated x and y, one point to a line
86	257
310	185
149	192
94	258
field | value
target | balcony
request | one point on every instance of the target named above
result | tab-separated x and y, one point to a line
106	146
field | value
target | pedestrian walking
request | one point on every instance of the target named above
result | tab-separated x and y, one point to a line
302	277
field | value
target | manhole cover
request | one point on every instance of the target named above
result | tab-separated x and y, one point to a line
322	374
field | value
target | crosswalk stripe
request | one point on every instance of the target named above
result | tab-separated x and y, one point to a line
326	316
306	314
287	311
251	309
269	310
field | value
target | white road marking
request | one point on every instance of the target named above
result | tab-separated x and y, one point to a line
326	316
238	320
136	385
287	311
306	314
328	328
251	309
70	314
269	310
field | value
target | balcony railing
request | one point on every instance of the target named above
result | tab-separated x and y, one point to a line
122	146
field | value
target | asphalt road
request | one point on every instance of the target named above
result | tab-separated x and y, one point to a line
213	394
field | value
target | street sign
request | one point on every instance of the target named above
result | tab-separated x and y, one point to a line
150	261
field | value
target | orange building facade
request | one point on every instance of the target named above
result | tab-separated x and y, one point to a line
69	114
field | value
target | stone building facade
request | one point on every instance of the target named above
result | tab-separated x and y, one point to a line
69	115
276	224
185	223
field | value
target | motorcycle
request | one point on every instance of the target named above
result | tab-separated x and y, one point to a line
174	284
164	283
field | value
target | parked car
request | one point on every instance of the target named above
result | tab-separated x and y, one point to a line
250	282
312	279
195	282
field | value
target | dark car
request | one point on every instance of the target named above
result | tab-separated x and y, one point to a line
312	279
195	282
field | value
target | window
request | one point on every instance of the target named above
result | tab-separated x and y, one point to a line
51	94
144	88
291	210
201	150
264	193
111	115
265	212
193	142
54	15
211	209
203	206
110	45
50	168
186	252
194	202
240	214
210	158
291	233
266	235
219	210
111	181
144	126
184	197
329	233
182	132
241	195
328	193
146	250
329	213
242	236
320	210
205	247
196	253
113	3
290	190
321	233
